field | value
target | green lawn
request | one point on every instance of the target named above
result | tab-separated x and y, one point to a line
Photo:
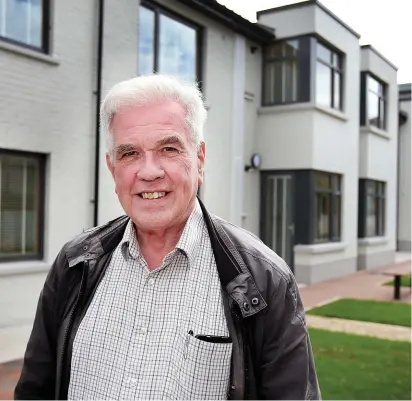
405	281
367	311
361	368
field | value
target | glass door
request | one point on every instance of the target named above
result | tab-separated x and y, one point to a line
277	219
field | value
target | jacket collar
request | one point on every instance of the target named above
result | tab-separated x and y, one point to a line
233	272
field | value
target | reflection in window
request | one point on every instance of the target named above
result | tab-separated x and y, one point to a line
20	194
374	197
282	70
22	21
177	49
376	102
176	45
327	207
146	41
328	77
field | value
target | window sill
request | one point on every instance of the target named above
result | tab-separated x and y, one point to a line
20	50
318	249
26	267
282	108
373	241
332	112
370	129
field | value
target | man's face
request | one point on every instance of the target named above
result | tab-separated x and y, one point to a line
156	166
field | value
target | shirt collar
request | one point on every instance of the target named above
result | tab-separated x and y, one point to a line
188	243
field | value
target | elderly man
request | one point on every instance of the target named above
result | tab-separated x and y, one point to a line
168	301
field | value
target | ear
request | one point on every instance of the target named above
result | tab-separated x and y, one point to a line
109	164
201	155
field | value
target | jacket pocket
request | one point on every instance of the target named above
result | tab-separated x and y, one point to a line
204	370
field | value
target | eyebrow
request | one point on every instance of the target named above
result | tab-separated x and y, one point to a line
171	140
123	148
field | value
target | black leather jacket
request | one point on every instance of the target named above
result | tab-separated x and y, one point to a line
272	356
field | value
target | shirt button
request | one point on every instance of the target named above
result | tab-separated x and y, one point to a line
151	282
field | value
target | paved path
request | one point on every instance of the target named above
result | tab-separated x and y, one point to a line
379	330
366	284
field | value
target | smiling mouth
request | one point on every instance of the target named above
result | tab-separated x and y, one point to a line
153	195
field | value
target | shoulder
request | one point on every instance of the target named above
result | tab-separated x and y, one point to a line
267	268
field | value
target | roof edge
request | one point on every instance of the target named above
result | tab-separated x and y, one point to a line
213	9
370	47
306	4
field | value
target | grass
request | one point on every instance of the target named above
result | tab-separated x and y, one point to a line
360	367
367	311
405	281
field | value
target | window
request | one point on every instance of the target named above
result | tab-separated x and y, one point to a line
372	204
329	77
167	45
25	22
286	72
21	215
373	101
327	207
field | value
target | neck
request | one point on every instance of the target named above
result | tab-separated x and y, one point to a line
156	244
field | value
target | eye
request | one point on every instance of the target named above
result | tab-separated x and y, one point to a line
169	149
131	153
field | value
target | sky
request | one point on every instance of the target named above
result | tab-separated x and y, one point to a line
384	24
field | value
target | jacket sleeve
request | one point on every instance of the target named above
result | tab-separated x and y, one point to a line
287	369
38	376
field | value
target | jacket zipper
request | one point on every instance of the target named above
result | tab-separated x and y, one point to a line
71	320
244	367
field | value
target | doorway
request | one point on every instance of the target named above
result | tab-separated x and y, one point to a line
277	225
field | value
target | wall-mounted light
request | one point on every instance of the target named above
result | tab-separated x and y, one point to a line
253	49
255	162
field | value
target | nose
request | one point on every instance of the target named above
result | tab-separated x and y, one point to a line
149	169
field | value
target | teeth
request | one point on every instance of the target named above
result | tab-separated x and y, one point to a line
152	195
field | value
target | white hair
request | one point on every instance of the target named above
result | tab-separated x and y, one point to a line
148	89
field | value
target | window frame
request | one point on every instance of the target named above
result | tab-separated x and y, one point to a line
365	90
379	196
41	212
304	69
334	191
162	10
45	35
339	69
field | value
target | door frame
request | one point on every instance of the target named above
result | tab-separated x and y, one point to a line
264	175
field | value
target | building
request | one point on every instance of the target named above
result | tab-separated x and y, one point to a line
295	89
404	169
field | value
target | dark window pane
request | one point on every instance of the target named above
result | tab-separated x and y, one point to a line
32	240
322	216
337	98
382	113
19	205
323	85
177	49
336	217
322	181
146	41
291	49
373	109
381	217
324	53
291	80
274	50
11	216
371	212
22	21
337	61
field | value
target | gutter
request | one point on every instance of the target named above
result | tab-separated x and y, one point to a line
98	94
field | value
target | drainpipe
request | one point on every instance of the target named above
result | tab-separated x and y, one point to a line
98	94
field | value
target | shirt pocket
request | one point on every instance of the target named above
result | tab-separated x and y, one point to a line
204	370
